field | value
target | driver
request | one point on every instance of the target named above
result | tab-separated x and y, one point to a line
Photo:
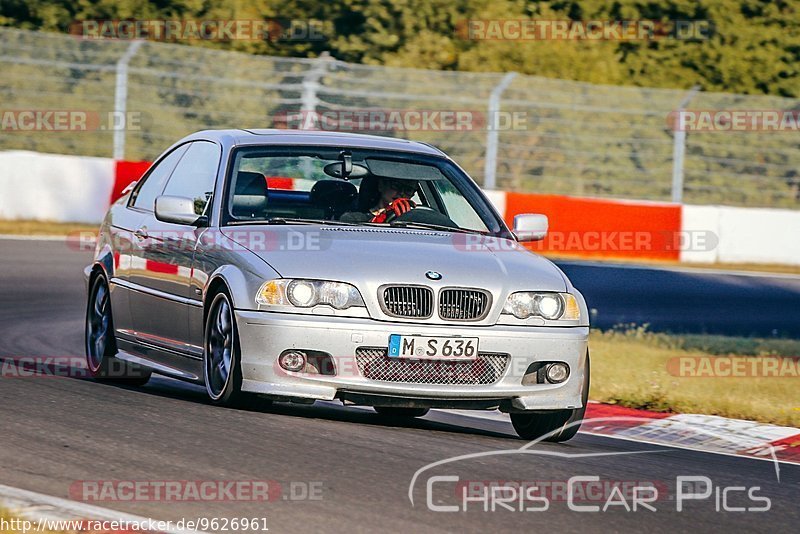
383	200
394	200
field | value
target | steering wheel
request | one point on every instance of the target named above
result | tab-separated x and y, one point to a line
426	215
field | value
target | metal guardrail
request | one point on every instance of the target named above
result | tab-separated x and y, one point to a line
576	138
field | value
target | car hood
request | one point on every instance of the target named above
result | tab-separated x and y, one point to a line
369	257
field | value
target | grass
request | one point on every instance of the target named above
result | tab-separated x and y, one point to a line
34	228
636	368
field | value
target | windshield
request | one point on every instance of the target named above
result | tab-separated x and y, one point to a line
381	188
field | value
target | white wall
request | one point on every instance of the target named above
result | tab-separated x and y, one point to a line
53	187
746	235
759	235
498	200
699	221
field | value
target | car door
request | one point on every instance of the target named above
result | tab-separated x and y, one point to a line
126	218
164	255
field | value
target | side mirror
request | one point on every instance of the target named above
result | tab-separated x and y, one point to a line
530	226
178	210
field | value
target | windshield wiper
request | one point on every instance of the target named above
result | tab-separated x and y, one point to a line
431	226
292	220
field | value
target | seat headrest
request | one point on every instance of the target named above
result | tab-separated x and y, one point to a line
333	194
368	194
250	195
250	183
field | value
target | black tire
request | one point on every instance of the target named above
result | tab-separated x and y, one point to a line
535	425
101	344
222	370
400	413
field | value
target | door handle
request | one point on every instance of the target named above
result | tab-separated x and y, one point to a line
141	233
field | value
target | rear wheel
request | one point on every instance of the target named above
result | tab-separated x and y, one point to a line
101	345
535	425
222	371
400	413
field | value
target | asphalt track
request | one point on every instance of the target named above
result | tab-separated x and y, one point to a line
689	300
58	430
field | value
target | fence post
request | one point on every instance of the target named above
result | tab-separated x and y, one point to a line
679	147
121	99
492	125
309	99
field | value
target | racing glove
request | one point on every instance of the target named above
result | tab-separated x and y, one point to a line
395	209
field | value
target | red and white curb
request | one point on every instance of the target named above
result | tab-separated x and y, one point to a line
40	508
705	433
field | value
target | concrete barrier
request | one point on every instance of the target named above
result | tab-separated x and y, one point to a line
756	235
51	187
698	221
602	228
60	188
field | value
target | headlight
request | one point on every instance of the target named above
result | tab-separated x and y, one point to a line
308	293
550	306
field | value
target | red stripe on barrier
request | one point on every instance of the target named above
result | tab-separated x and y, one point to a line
589	227
126	172
280	182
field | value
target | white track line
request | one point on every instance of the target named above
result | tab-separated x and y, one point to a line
14	237
37	506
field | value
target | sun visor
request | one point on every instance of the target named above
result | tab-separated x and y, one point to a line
402	170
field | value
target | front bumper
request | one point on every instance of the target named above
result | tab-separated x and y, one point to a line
265	335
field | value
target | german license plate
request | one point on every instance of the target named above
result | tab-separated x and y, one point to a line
433	348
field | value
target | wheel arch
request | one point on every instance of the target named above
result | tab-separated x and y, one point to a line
215	285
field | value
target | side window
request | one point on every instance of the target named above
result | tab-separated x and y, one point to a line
144	196
195	175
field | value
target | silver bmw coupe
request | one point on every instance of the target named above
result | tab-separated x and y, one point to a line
294	266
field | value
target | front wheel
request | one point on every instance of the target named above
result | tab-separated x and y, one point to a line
222	371
535	425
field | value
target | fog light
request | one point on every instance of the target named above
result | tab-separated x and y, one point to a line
557	372
292	360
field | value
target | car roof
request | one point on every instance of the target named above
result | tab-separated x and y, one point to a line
247	137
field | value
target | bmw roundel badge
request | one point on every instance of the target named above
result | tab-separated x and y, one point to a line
433	275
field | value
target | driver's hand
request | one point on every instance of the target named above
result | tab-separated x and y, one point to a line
395	209
400	206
